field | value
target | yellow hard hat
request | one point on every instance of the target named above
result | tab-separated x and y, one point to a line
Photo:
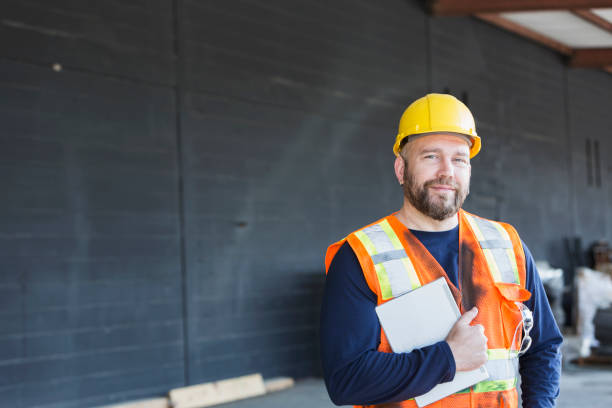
437	113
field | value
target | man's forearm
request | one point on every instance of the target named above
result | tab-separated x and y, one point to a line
376	377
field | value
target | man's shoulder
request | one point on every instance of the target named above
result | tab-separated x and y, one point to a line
501	223
333	248
378	221
371	224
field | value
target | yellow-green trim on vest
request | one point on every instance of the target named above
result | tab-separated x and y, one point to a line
488	386
394	269
496	385
502	368
501	354
501	364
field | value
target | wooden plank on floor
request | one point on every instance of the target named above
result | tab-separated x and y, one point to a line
594	359
278	384
219	392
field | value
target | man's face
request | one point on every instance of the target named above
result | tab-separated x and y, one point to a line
437	174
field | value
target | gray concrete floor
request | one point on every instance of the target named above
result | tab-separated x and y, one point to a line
586	387
580	387
307	393
583	386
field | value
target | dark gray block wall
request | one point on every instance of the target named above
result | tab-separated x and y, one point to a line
282	109
168	194
90	280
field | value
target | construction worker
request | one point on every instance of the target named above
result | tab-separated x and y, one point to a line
506	318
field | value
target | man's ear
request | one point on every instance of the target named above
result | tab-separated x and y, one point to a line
399	169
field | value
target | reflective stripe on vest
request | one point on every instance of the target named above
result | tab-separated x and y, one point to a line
496	245
502	366
395	272
497	248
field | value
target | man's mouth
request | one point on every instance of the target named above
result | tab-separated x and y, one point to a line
442	187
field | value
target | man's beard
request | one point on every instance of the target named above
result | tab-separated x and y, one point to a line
439	208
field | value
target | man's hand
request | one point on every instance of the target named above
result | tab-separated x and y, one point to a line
468	343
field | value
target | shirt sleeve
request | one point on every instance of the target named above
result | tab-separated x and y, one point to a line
540	366
355	372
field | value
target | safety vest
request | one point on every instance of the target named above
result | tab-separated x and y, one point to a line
491	276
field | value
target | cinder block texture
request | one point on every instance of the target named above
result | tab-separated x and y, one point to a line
172	172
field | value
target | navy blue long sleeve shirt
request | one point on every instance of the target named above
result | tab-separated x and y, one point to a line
356	373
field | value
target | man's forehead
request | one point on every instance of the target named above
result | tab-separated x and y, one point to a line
439	141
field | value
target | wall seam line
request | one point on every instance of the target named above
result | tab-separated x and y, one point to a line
181	188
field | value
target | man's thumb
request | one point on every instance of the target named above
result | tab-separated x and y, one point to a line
468	316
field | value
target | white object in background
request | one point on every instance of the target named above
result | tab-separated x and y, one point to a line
421	318
594	292
552	278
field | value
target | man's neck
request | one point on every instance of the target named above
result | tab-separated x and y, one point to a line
416	220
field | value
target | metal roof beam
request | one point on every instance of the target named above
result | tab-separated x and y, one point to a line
591	58
593	18
467	7
523	31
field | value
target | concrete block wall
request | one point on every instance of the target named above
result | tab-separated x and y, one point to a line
170	188
90	281
283	110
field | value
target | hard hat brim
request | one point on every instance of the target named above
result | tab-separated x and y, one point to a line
472	139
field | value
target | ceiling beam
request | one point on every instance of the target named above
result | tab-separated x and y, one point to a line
467	7
593	18
591	58
523	31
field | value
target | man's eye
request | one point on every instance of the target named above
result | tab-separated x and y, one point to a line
461	160
430	156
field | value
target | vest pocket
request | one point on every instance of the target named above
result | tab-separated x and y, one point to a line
510	312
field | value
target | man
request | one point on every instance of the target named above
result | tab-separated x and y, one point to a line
490	271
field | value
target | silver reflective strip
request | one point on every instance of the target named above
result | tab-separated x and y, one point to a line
503	264
502	369
379	238
388	256
491	234
395	271
398	278
496	243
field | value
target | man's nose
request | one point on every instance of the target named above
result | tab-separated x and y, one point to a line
446	168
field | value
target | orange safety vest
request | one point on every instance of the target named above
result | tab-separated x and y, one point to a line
491	276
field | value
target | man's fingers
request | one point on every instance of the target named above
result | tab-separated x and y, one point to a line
468	316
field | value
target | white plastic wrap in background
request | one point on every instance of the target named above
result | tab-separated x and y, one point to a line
552	278
594	292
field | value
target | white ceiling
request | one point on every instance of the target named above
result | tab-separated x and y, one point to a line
605	13
565	27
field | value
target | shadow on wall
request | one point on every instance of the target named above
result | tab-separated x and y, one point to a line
318	286
284	339
313	284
